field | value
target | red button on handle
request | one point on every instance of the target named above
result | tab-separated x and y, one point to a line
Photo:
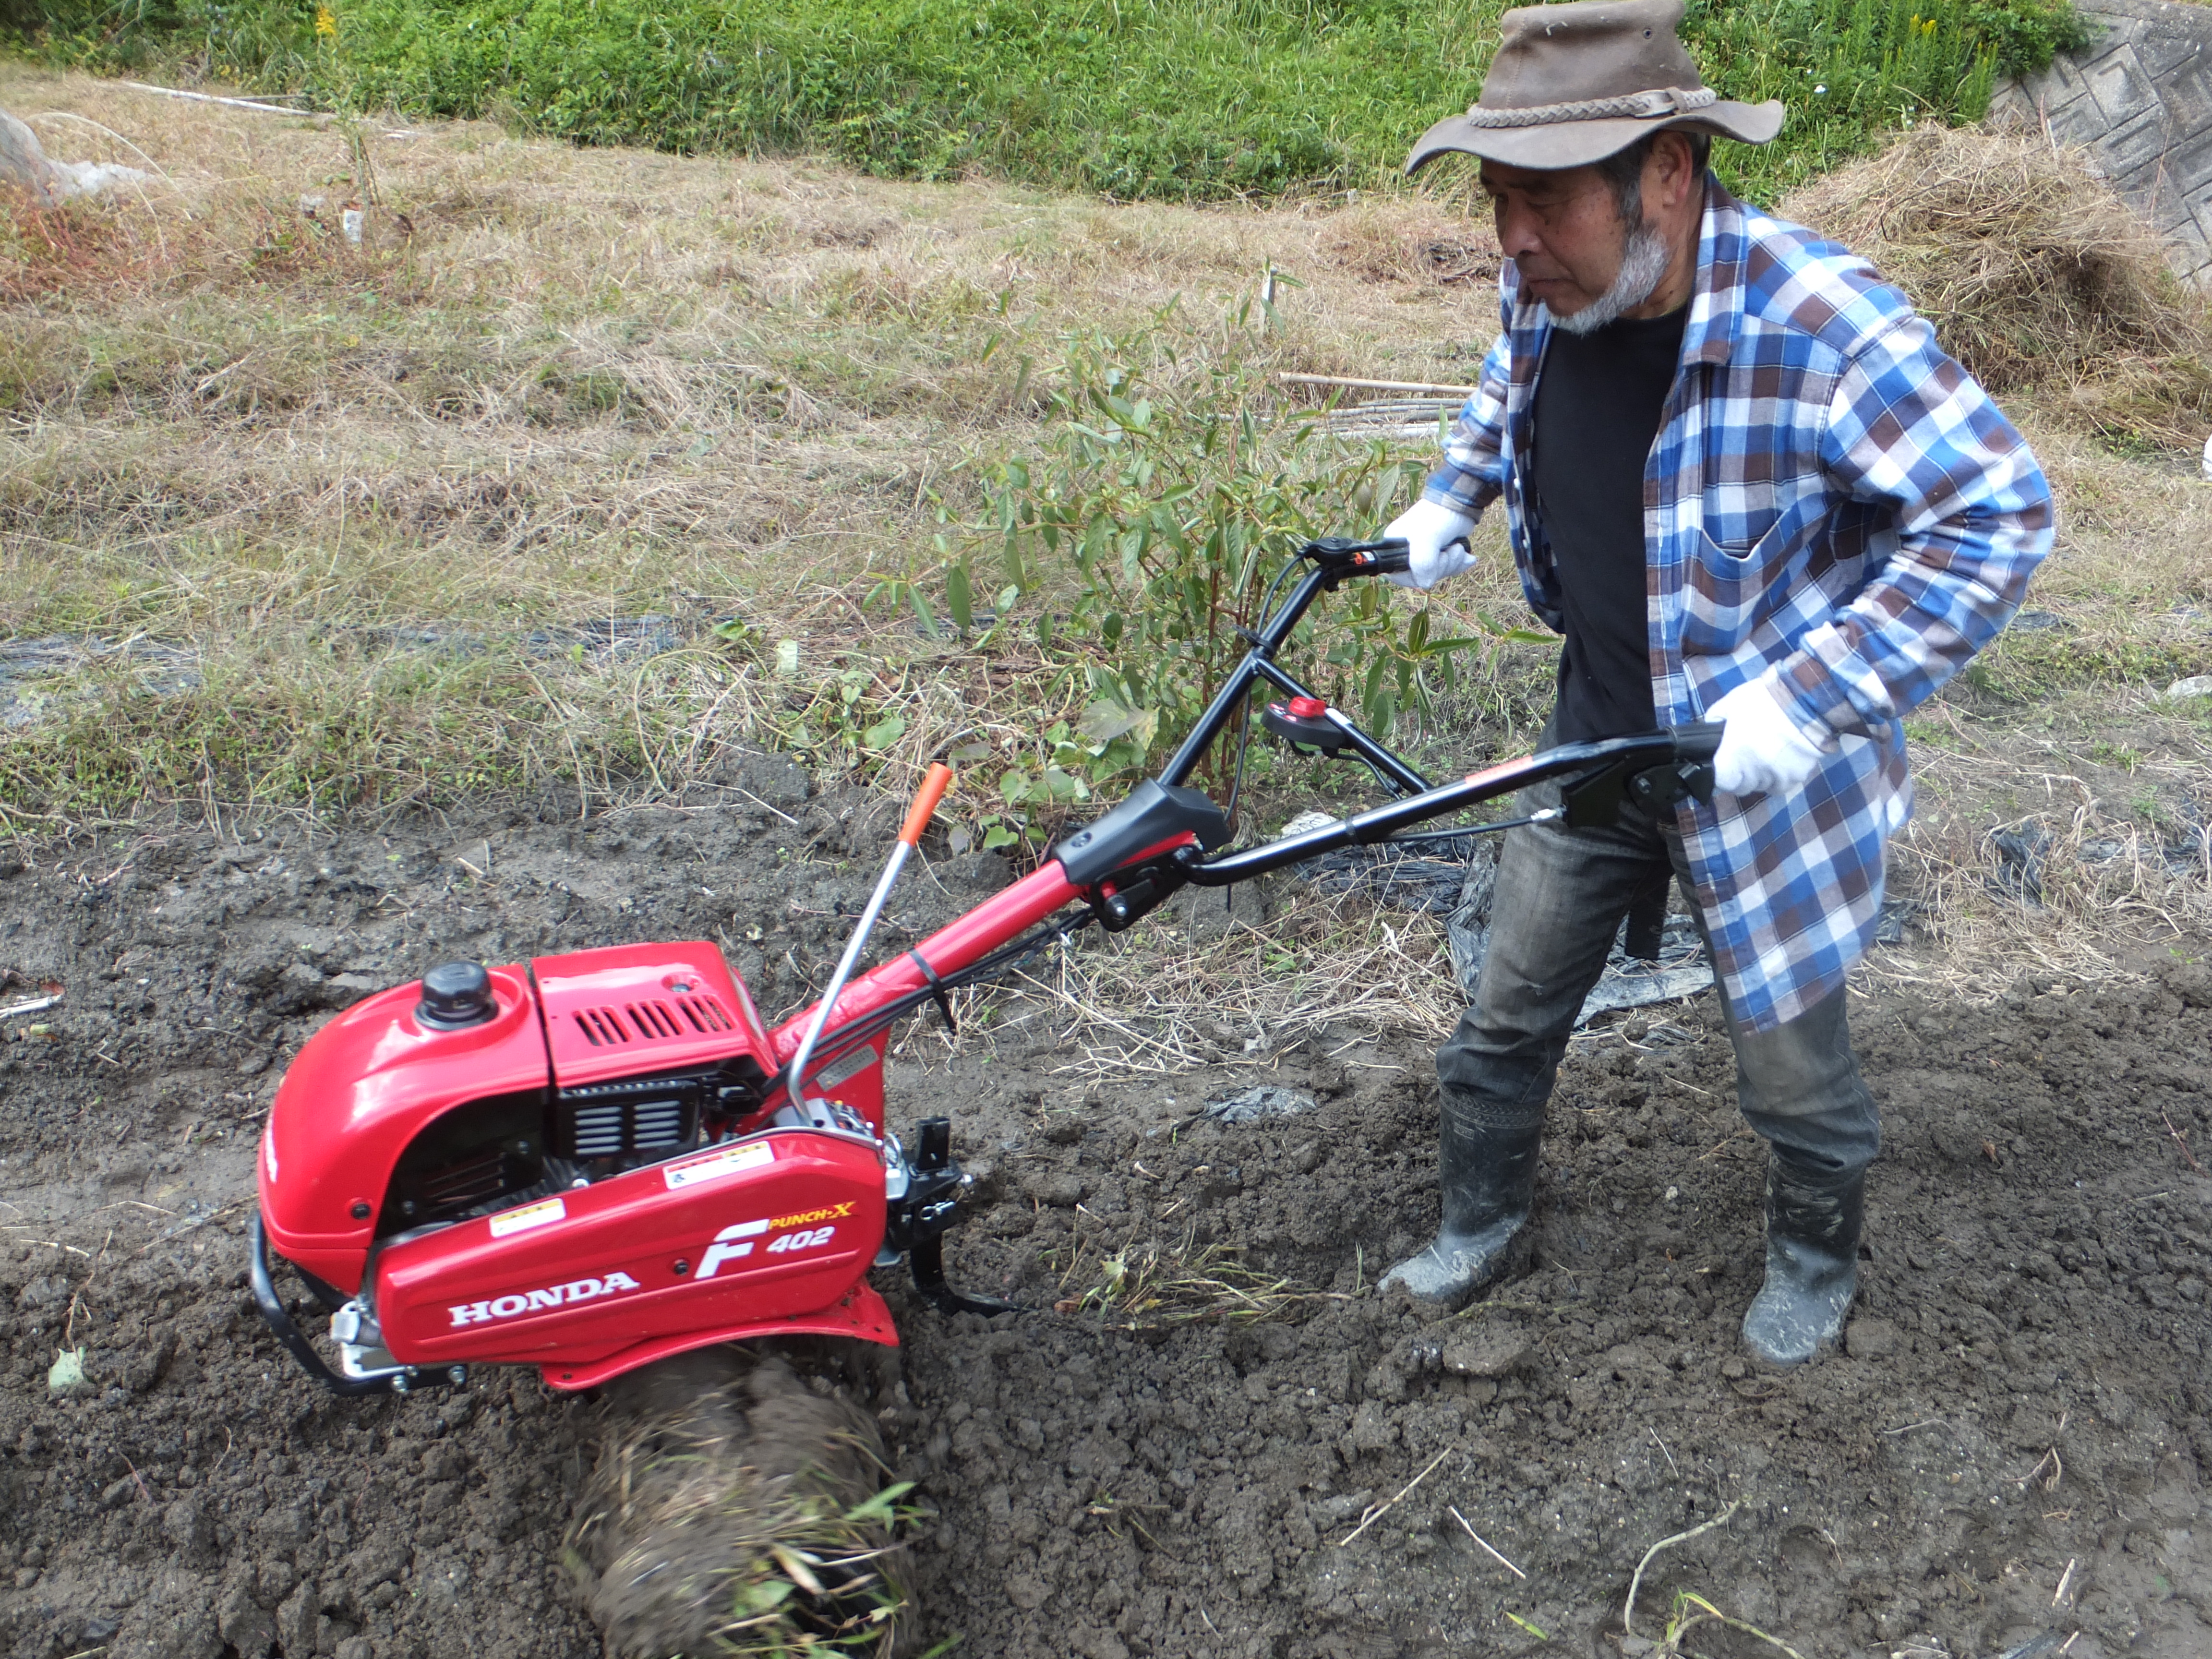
1308	709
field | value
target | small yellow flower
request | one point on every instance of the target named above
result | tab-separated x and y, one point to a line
327	23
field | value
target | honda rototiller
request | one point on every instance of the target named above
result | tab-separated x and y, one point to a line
592	1162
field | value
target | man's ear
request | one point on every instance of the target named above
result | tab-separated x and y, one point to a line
1672	168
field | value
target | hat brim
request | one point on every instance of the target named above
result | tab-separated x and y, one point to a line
1558	144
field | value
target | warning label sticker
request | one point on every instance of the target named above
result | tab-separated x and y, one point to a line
543	1213
722	1161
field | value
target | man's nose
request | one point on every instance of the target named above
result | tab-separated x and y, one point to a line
1517	236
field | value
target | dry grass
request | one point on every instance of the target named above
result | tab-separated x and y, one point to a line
2037	277
554	385
1147	1286
1150	1002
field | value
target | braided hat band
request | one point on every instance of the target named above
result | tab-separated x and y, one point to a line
1650	106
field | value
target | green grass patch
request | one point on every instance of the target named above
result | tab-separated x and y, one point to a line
1184	100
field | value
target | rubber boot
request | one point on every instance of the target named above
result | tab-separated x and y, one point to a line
1813	1219
1489	1180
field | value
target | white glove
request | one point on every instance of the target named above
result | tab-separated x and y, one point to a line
1436	538
1763	751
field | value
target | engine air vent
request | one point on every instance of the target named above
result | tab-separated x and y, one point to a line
475	1180
628	1117
655	1020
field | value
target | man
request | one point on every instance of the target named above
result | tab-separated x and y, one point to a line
1744	483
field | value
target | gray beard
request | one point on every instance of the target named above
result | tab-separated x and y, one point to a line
1642	263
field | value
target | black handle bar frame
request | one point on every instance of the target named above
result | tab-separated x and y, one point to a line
1650	770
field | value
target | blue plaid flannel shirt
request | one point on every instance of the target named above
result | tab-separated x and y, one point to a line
1829	493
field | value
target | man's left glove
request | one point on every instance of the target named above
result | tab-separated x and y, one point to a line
1763	751
1435	543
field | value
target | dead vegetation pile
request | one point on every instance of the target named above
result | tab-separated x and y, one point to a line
2036	275
735	1509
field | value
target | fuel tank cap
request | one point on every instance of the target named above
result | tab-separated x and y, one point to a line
456	995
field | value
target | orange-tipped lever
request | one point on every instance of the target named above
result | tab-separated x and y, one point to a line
917	820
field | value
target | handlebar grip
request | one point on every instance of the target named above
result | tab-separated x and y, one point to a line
1389	556
925	803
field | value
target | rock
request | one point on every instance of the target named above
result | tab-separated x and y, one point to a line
2197	685
1489	1350
245	1625
298	988
1870	1339
1062	1192
296	1622
65	1377
144	1368
343	990
24	163
188	1523
1264	1100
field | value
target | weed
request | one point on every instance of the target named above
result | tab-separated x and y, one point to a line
1151	1287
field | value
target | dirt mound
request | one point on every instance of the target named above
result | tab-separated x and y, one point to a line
2036	275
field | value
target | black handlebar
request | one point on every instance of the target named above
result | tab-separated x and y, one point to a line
1650	772
1340	556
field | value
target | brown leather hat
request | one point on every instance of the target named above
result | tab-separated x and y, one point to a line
1574	83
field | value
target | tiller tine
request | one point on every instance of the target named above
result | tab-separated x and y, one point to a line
928	1260
930	1207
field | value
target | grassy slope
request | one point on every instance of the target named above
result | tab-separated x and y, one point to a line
599	384
1157	99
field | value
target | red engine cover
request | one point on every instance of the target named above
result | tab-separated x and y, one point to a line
367	1085
362	1088
639	1008
776	1226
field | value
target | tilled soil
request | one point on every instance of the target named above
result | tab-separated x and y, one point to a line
2016	1440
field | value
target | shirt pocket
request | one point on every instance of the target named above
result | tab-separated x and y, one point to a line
1732	588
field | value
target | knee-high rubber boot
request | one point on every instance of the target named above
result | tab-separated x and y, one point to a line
1813	1219
1489	1180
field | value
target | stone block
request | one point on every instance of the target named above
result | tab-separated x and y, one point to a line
2163	50
2079	123
2117	83
2187	95
2062	83
2130	154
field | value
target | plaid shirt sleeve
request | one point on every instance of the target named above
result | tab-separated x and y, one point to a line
1473	469
1908	431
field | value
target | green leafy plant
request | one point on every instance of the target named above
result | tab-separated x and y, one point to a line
1137	544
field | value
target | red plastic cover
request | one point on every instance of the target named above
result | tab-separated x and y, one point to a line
635	1009
362	1088
775	1225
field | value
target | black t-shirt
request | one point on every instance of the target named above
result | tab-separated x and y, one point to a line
1599	398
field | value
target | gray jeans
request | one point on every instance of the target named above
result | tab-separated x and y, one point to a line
1559	901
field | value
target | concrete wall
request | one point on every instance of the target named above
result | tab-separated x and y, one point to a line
2139	97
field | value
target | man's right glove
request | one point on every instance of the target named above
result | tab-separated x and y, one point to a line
1763	751
1435	540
